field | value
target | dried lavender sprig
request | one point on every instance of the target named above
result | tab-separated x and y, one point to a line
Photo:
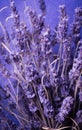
77	63
80	96
36	22
66	57
64	87
78	117
15	14
46	47
42	94
48	109
63	24
77	24
62	31
79	86
65	109
42	6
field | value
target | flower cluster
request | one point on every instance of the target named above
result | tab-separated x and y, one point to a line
40	88
65	109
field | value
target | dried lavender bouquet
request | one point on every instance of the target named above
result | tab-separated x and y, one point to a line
41	89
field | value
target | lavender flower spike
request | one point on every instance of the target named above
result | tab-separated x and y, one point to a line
65	109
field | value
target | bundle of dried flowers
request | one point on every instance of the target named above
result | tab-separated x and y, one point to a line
41	88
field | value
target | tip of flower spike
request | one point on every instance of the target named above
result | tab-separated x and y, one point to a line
78	9
62	7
